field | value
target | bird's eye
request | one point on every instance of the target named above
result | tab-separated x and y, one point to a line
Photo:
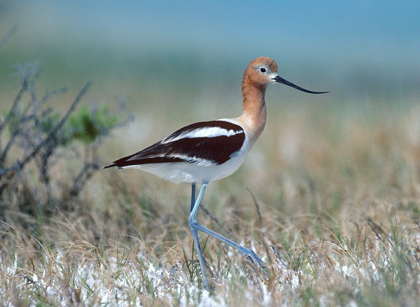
262	69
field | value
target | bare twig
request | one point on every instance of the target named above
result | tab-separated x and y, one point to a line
50	94
15	104
23	118
60	124
20	165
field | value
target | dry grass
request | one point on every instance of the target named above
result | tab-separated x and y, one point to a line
339	198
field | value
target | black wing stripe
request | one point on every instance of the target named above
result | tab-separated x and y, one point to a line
123	162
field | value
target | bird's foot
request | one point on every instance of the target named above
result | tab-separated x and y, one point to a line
253	259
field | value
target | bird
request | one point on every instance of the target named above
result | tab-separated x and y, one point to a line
211	150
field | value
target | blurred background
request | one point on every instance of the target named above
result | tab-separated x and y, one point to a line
139	49
336	177
184	60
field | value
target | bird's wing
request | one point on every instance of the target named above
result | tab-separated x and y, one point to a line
203	143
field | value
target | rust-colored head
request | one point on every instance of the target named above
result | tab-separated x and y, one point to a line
263	71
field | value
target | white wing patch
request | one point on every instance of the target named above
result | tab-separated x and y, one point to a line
195	160
207	132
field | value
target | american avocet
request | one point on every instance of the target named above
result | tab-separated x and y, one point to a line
212	150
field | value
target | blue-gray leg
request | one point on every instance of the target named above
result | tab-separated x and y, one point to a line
248	253
195	234
192	196
194	226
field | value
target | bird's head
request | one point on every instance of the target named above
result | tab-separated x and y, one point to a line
263	71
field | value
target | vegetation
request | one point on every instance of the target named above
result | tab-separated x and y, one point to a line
329	197
39	134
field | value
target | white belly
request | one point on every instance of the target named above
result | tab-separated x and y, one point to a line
186	172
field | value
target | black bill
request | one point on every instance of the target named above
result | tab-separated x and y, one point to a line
281	80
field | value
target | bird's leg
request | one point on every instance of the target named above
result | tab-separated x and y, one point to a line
192	196
192	221
248	253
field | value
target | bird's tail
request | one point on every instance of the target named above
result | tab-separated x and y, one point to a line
112	165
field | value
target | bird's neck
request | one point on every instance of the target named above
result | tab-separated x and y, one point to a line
254	114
